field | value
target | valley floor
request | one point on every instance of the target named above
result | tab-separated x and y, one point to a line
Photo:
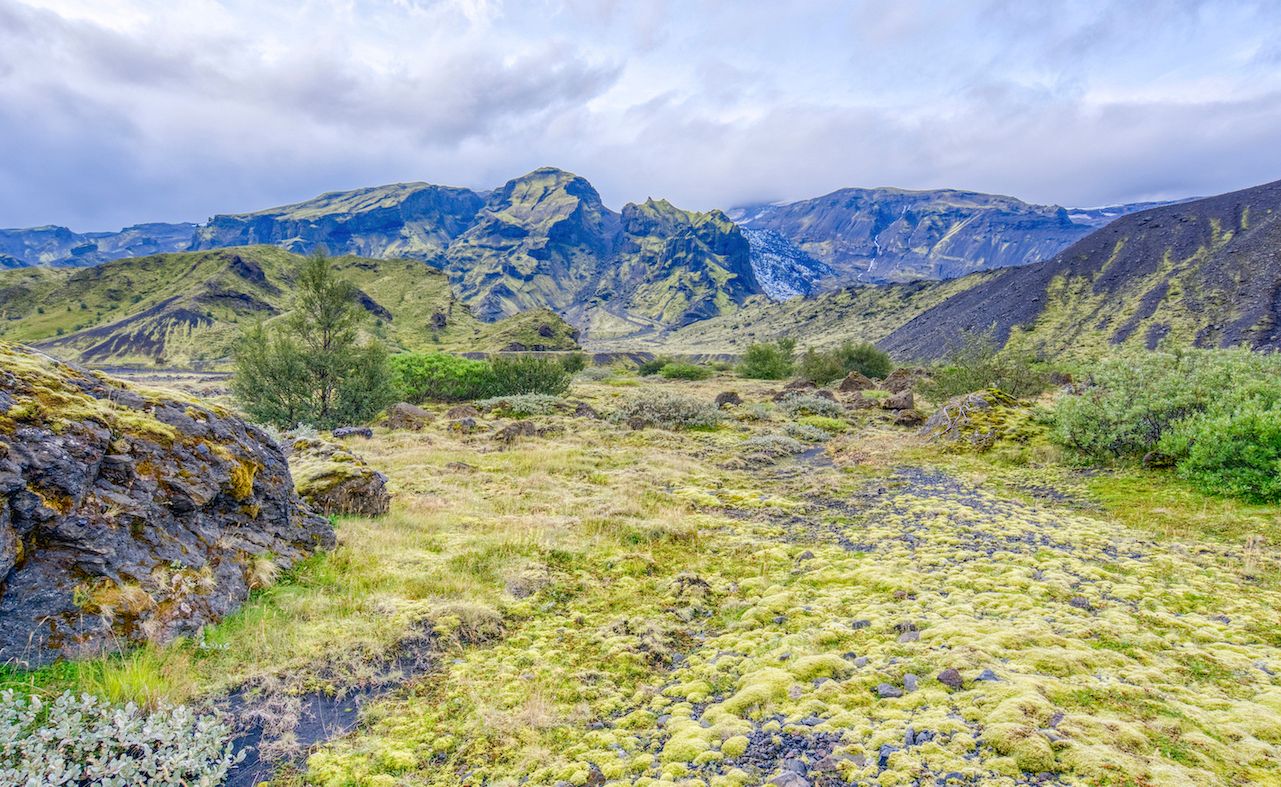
600	605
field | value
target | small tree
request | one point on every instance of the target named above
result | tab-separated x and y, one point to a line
771	361
313	368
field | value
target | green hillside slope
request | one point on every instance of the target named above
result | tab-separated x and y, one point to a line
186	308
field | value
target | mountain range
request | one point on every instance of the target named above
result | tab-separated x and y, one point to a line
546	240
1203	272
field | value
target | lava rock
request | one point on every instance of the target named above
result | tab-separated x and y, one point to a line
127	519
951	678
517	429
988	675
403	415
728	399
856	381
887	691
899	401
353	431
336	481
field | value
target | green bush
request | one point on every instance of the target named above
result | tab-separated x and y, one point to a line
86	740
574	362
804	404
1214	414
768	361
979	364
527	374
440	377
685	371
521	405
652	366
820	368
828	366
667	410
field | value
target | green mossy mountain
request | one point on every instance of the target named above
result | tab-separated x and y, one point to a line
1204	273
188	308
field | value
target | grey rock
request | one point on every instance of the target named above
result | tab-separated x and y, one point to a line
909	682
728	399
403	415
988	675
951	678
887	691
334	480
353	431
883	756
860	624
789	779
123	549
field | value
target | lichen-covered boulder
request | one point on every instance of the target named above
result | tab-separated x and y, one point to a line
856	381
974	420
407	416
130	516
900	401
336	481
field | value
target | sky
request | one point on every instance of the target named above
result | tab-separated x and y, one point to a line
115	112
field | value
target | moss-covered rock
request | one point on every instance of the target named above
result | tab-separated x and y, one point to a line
336	481
129	516
974	420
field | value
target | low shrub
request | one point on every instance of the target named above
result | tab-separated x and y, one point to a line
826	423
685	371
595	373
773	446
978	364
829	366
667	410
521	405
86	740
807	432
652	366
440	377
805	404
527	374
1215	415
768	361
574	362
756	411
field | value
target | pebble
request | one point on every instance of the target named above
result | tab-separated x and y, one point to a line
909	682
951	678
886	691
988	675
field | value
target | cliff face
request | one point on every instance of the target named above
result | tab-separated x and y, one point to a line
129	516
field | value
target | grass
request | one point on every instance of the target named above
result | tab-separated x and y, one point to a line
587	584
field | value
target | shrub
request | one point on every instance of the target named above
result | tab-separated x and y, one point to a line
596	373
807	432
820	368
804	404
521	405
574	362
826	423
685	371
86	740
667	410
527	374
1214	414
978	364
769	361
440	377
652	366
756	411
828	366
773	446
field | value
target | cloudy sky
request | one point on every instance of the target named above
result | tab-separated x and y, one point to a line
114	112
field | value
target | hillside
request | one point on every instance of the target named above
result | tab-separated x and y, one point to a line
180	309
1205	273
886	235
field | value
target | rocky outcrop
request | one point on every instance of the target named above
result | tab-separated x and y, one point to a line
335	480
129	516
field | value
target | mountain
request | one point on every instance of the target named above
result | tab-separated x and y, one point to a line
416	220
188	308
60	246
885	235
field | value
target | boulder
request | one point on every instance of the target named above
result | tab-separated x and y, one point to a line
336	481
406	416
129	517
463	411
899	401
464	426
909	417
728	399
823	393
353	431
516	429
903	379
974	420
860	402
856	381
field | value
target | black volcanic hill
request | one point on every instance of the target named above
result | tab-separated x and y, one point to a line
1205	273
